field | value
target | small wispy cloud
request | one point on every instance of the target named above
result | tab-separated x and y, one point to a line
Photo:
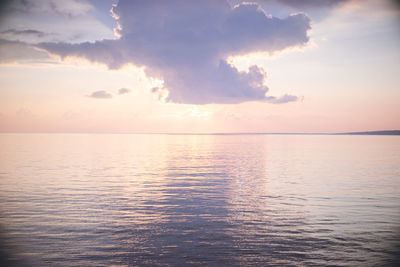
100	94
124	91
282	99
31	32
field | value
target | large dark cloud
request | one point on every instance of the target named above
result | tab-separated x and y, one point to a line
186	43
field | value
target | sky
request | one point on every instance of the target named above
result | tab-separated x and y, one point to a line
199	66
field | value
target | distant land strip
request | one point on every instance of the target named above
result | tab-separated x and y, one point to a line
387	132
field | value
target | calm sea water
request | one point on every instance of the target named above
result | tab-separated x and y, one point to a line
210	200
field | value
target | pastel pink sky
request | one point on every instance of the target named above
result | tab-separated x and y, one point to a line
272	66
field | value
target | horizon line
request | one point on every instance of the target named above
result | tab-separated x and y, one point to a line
374	132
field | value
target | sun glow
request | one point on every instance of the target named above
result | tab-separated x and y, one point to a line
196	113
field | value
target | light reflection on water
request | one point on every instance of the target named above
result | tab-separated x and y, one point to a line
80	200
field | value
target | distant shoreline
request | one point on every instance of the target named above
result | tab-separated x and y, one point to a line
387	132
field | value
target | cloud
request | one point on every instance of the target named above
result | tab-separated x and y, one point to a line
68	18
124	91
26	32
300	4
69	8
100	94
186	43
20	52
282	99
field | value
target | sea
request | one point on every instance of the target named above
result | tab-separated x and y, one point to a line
199	200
